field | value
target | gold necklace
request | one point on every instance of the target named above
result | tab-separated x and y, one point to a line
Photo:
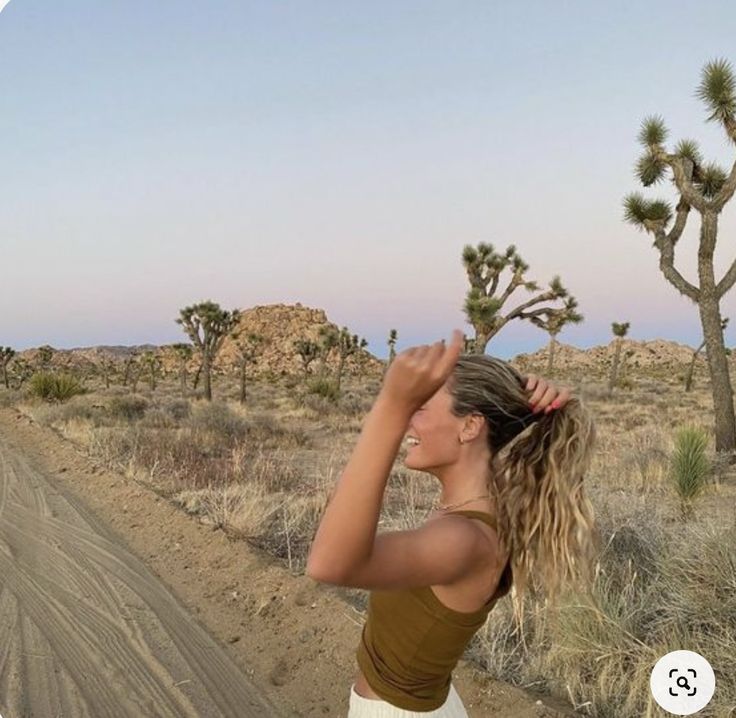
439	507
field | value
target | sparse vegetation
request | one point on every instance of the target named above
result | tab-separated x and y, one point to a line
262	473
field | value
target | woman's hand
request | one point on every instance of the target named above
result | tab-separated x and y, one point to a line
546	396
417	373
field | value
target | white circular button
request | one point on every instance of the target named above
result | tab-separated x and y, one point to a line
682	682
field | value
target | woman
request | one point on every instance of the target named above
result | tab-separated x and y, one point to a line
430	586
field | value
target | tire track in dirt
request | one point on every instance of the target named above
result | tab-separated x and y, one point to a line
87	630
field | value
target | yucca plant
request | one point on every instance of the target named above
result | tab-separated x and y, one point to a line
690	466
54	387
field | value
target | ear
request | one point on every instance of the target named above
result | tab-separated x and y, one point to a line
473	426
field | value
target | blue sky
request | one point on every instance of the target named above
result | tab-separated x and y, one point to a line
340	154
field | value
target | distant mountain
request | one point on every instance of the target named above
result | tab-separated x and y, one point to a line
282	324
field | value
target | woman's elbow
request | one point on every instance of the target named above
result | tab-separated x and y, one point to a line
323	572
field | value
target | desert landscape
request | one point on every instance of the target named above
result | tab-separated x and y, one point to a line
221	499
283	283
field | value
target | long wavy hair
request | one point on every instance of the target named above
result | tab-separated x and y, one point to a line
538	462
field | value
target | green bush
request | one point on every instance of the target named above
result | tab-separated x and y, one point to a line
54	387
323	387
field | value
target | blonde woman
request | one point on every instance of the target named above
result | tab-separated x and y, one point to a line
431	588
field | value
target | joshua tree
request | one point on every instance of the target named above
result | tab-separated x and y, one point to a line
706	188
6	354
21	370
197	374
691	368
554	322
45	354
129	365
620	331
152	364
184	353
308	351
107	367
482	307
248	347
207	325
347	344
136	369
328	339
392	336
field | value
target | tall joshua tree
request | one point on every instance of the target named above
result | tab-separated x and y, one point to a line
184	353
620	331
308	351
6	354
706	188
482	306
347	344
691	368
554	321
207	325
248	347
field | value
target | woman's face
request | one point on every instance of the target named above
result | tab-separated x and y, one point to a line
437	430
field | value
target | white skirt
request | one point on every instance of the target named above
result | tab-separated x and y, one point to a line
361	707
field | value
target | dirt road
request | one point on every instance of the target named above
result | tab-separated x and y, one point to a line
86	629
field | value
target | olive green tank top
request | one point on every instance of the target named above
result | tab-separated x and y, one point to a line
411	642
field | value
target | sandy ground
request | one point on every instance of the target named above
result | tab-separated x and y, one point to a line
118	604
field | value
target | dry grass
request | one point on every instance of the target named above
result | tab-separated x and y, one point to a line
263	471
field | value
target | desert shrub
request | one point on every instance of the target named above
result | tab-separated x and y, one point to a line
74	410
318	404
219	420
355	404
268	432
128	407
54	387
157	418
323	387
178	409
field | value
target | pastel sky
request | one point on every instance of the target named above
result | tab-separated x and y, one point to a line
340	154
